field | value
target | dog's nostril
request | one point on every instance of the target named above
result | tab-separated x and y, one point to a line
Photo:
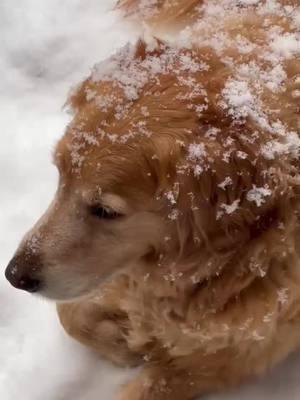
29	284
23	282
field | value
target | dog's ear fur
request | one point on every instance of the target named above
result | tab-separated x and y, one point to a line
230	194
227	216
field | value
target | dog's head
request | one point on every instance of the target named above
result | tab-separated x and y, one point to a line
153	169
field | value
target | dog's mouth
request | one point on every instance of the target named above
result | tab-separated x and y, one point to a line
70	288
62	296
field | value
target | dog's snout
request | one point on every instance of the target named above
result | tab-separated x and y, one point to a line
22	276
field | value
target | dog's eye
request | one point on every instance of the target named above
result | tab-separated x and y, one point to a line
104	212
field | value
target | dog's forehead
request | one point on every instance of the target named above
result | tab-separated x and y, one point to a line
90	163
79	149
139	95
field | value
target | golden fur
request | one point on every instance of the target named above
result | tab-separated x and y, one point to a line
203	298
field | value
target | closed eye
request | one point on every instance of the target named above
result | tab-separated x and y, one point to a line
103	212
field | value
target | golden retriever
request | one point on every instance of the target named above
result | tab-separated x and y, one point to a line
173	238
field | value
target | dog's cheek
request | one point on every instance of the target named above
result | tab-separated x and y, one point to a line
143	232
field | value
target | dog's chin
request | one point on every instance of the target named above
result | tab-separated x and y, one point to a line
69	288
67	294
65	287
60	297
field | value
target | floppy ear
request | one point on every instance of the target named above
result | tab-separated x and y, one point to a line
227	203
227	190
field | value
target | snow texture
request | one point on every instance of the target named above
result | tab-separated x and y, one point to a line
46	47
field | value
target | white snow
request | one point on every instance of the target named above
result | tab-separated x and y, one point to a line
228	208
46	47
227	182
258	194
286	45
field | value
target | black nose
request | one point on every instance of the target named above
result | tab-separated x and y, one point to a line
19	280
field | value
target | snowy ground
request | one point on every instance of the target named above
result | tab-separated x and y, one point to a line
45	47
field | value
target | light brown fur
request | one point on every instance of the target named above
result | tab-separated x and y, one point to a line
202	302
